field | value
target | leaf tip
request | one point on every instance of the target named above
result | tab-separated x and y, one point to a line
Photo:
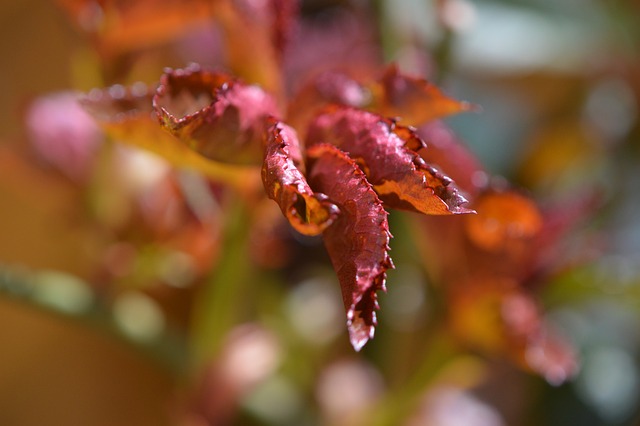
459	209
359	331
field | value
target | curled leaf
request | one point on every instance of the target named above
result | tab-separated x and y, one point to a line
217	116
387	154
358	241
414	100
126	115
308	212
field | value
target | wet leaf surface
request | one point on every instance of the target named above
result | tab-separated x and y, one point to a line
217	116
358	241
386	152
282	175
450	155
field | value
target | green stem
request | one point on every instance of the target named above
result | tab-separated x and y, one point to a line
219	305
399	404
388	37
442	55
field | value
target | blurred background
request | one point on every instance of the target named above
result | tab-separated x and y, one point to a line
136	293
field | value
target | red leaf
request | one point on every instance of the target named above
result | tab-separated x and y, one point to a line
216	115
386	152
358	241
284	182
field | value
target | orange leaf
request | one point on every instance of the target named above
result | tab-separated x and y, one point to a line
122	27
412	99
503	219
